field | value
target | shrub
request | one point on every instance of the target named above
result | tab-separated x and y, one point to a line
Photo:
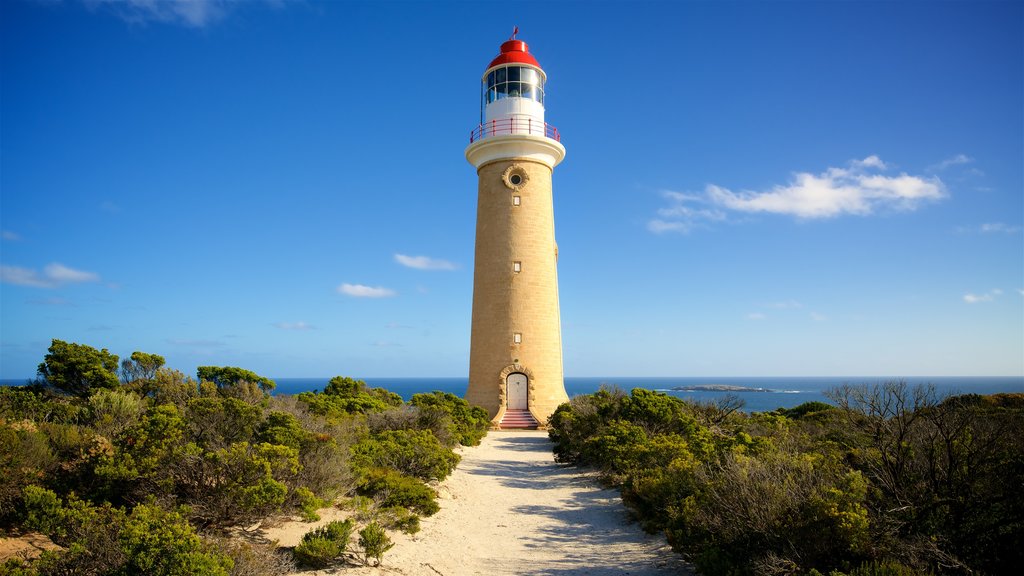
282	428
414	452
467	424
886	568
317	552
399	518
78	369
375	542
113	411
25	459
107	540
323	546
390	488
228	376
255	559
308	504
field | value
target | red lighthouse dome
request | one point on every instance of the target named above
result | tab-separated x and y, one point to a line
514	52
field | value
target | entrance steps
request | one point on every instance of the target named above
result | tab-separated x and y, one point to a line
518	419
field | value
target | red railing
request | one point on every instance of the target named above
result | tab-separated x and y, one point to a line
514	126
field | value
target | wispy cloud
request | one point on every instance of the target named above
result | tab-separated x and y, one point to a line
362	291
998	228
191	13
986	297
818	317
51	276
294	326
957	160
859	189
681	215
11	236
756	316
424	262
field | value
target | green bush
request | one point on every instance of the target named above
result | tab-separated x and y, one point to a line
390	488
325	545
413	452
308	504
229	376
466	424
399	518
107	540
282	428
317	552
25	459
78	369
375	542
344	396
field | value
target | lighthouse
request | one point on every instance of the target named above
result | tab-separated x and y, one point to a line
515	357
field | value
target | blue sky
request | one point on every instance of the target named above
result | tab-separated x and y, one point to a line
750	189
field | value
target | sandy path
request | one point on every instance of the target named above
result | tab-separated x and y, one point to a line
509	509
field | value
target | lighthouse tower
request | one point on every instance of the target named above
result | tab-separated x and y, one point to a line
515	358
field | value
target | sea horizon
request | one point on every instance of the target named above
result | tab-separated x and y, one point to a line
760	393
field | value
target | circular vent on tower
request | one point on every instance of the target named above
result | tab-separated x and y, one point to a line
515	177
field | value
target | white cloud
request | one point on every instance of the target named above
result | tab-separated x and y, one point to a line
756	316
424	262
362	291
818	317
858	190
679	217
951	161
53	275
998	228
63	275
294	326
986	297
870	162
9	235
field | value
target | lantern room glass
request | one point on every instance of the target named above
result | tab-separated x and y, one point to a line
513	82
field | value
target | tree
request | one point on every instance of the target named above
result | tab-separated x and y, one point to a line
227	376
78	368
141	366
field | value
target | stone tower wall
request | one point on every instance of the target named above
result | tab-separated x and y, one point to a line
506	302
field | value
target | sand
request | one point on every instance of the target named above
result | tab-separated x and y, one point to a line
510	509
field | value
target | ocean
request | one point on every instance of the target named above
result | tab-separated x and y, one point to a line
777	392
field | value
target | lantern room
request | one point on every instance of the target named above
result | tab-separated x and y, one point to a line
512	94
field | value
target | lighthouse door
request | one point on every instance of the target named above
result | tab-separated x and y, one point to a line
516	393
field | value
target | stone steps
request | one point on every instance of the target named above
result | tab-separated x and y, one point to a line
519	419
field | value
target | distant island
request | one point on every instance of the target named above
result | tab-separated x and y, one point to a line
719	388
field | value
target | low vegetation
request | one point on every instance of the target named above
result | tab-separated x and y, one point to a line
891	480
145	471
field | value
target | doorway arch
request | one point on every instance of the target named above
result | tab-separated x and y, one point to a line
517	387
